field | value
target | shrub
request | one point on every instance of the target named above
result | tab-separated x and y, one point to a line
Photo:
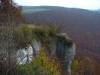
50	66
74	66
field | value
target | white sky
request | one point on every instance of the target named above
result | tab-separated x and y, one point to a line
85	4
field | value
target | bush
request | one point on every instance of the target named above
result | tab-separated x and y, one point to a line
74	66
49	65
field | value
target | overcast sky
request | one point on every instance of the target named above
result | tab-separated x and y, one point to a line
85	4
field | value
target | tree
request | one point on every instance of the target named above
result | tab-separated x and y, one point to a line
23	36
8	18
9	11
86	66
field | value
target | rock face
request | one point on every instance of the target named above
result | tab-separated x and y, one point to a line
62	48
25	55
65	52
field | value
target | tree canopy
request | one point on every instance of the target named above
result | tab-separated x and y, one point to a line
9	11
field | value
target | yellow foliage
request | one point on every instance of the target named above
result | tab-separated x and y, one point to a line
49	65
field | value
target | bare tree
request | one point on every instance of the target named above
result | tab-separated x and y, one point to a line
8	9
8	17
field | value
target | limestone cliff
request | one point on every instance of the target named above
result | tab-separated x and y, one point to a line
59	46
